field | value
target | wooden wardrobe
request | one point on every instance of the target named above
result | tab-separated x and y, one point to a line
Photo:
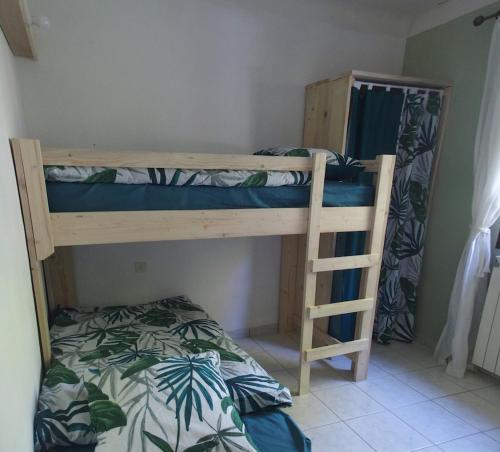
326	123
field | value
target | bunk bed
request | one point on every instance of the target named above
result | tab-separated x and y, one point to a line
53	226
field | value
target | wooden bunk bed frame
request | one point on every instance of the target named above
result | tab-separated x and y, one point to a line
48	233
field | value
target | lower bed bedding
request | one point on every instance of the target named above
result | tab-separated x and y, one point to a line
158	376
271	430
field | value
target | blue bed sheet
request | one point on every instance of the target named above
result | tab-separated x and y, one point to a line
81	197
275	431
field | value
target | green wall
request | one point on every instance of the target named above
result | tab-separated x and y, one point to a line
456	51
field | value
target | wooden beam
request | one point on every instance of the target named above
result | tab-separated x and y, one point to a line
60	278
329	351
146	159
344	263
344	307
370	277
13	21
312	251
36	269
288	276
28	154
92	228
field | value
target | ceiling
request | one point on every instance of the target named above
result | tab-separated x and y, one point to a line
406	7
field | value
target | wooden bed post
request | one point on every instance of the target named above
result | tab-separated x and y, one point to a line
33	198
370	277
312	252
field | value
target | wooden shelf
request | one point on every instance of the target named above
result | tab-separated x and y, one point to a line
13	21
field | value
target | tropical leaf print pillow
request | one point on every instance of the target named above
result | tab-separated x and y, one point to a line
71	411
189	410
338	166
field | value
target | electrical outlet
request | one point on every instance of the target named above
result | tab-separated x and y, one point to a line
140	267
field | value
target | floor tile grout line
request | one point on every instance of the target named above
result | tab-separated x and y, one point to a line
494	439
463	437
431	398
402	382
359	436
419	432
340	421
460	417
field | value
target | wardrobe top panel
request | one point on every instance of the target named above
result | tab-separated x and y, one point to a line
389	79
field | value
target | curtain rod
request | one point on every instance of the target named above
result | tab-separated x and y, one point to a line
479	20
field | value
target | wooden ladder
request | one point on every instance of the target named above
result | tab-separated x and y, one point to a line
369	262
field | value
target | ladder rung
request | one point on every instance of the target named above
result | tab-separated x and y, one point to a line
344	263
344	307
328	351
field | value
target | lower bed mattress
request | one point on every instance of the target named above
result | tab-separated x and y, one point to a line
100	197
157	376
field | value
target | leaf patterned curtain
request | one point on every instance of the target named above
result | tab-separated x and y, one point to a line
404	242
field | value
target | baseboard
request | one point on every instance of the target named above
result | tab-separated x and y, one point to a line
263	329
239	334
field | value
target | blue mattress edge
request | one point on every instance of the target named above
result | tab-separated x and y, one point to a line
82	197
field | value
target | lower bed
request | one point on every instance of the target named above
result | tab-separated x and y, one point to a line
111	353
99	197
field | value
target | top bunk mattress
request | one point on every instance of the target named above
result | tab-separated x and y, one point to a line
102	197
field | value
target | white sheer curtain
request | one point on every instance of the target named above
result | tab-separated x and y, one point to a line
474	263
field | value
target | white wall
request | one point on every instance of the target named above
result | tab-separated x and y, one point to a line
19	347
192	75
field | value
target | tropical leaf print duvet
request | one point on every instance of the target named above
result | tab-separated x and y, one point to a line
122	352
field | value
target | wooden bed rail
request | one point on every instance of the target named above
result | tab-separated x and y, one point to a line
94	228
158	159
147	159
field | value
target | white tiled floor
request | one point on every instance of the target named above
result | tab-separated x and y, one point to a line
408	402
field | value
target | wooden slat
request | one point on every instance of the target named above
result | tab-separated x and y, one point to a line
324	280
288	276
147	159
60	278
344	348
29	156
344	263
90	228
375	245
312	250
13	21
299	289
36	270
345	307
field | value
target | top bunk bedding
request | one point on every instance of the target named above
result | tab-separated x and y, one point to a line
98	189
